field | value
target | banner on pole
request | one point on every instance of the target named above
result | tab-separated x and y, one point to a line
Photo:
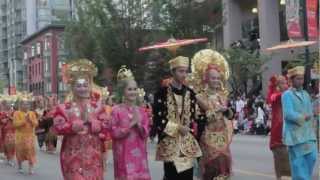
293	18
313	30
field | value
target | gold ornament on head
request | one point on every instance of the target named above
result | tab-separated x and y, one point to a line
298	70
124	74
105	93
200	63
179	61
102	91
203	58
79	69
141	92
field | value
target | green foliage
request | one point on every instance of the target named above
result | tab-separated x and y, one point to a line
110	33
106	34
2	86
244	65
300	60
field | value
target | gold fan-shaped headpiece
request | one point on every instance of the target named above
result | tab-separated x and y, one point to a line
200	63
81	68
203	58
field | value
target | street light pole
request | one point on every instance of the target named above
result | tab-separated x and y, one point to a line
307	75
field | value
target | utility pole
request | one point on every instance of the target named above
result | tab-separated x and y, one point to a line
308	65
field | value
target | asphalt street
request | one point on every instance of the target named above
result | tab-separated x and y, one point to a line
252	160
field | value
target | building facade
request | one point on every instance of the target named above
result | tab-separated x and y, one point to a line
19	19
44	55
266	18
13	30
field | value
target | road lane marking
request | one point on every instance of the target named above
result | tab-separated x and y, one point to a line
251	173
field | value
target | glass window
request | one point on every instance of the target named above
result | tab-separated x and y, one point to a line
38	48
46	68
42	3
60	41
49	87
46	43
32	51
39	66
60	64
25	55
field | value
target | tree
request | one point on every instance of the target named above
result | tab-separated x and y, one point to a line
184	19
2	86
244	66
110	32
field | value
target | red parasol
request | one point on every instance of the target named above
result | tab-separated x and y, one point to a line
173	44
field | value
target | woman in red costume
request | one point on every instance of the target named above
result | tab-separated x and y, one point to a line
80	121
277	85
8	131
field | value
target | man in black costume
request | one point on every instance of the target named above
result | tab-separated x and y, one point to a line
173	117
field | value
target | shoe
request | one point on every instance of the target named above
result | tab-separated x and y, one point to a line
31	171
11	163
20	170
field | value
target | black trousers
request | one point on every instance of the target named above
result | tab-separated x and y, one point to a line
170	172
41	139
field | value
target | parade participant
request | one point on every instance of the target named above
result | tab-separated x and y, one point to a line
108	140
40	131
8	130
129	131
173	119
25	122
143	103
277	85
50	137
298	132
80	121
216	135
316	99
102	94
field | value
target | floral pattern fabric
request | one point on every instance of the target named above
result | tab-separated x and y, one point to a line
81	153
129	145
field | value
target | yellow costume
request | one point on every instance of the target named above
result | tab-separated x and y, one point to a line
25	124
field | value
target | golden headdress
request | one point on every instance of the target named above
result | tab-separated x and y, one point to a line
179	61
200	63
124	74
298	70
205	57
81	68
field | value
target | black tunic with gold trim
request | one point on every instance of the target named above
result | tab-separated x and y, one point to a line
172	109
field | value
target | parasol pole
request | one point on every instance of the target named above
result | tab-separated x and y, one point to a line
307	75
